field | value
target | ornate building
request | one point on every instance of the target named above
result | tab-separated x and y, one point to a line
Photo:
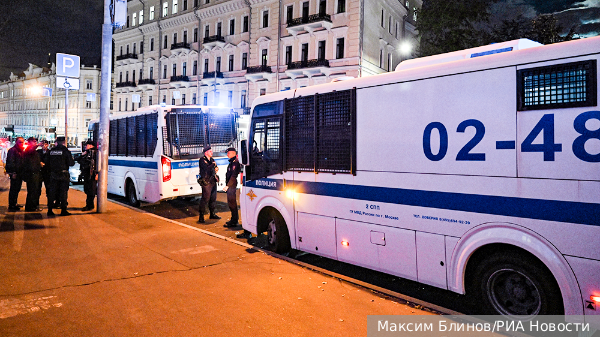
230	51
25	112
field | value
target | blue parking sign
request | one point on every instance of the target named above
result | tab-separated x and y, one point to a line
67	65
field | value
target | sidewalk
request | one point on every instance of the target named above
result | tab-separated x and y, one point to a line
127	272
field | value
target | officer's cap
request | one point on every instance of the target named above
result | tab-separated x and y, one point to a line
206	149
60	139
91	142
232	149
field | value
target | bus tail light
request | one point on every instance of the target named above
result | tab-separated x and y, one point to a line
166	168
345	243
595	299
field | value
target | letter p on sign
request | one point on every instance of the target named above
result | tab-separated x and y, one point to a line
67	65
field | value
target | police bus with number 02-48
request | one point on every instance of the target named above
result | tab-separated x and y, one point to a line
154	151
476	171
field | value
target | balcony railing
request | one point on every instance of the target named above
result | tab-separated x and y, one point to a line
258	69
146	81
180	45
125	84
180	78
308	64
309	19
212	74
127	56
214	38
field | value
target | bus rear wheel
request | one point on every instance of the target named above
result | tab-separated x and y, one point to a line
516	285
278	238
131	194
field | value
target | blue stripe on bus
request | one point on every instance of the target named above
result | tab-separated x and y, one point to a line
176	165
222	161
540	209
133	163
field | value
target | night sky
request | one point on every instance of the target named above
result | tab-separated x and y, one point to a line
30	29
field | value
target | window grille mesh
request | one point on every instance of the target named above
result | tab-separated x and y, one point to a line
300	133
121	137
558	86
113	138
134	136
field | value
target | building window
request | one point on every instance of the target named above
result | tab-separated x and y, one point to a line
174	37
290	13
195	68
165	9
126	103
264	57
165	72
219	29
382	23
288	55
151	12
415	14
142	47
390	24
120	77
206	31
121	50
164	98
119	104
165	42
127	22
183	99
133	76
206	1
243	99
321	50
141	17
172	100
184	36
396	34
230	62
389	62
245	26
205	99
381	58
206	65
218	65
133	19
184	5
322	7
149	100
88	104
127	47
88	84
244	61
152	44
263	91
127	76
151	72
134	48
194	98
339	48
304	53
305	10
174	70
184	69
265	19
141	74
232	27
230	99
341	7
196	34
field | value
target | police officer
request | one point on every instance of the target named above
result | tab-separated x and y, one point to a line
14	163
31	175
58	161
45	174
87	164
208	180
233	171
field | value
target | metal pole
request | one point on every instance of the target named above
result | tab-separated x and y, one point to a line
104	125
67	86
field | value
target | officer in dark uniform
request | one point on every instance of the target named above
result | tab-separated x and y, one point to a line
31	175
233	171
208	180
45	174
14	163
58	161
87	164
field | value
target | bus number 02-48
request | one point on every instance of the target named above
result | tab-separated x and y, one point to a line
545	126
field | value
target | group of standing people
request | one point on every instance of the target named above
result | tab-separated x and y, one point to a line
50	166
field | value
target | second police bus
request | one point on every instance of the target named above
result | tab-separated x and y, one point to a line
476	171
154	151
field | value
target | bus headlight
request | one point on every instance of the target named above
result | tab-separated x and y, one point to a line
166	168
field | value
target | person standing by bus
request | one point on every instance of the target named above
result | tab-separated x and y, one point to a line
31	175
87	164
208	180
58	161
233	171
14	161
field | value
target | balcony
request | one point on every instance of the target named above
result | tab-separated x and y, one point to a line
309	23
212	74
126	59
256	73
180	47
180	81
127	86
308	67
212	41
147	84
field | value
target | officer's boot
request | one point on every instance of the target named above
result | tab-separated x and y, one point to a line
213	215
201	218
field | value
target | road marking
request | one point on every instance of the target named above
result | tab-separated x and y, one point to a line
14	306
195	250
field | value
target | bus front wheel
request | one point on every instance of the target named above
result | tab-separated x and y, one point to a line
278	238
132	198
516	285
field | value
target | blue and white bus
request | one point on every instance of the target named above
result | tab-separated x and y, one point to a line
476	171
154	151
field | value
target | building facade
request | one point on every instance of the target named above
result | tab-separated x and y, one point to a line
25	112
227	52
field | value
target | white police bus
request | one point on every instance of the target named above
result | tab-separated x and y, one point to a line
476	171
154	151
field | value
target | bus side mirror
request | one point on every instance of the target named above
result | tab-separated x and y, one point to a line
244	151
